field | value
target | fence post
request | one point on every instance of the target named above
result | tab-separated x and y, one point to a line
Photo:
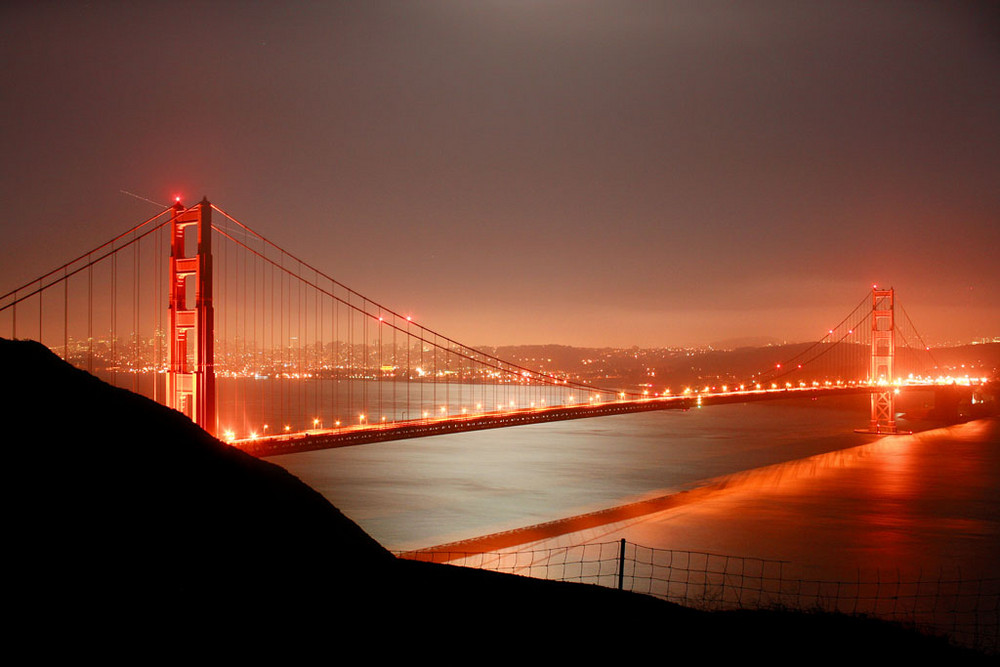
621	565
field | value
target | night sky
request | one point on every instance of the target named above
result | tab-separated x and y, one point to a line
585	173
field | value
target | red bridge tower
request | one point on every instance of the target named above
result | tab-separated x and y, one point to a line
191	373
883	419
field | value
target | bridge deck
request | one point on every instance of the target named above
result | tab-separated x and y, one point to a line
360	435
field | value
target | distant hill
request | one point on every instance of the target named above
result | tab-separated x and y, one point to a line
125	523
735	343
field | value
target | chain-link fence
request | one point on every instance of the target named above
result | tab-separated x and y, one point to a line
966	610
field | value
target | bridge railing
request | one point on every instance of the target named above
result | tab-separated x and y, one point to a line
967	611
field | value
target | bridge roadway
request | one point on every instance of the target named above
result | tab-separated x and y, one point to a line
359	435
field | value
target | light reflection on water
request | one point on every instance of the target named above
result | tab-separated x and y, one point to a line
785	480
914	504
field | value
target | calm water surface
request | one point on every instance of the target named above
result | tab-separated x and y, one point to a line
802	486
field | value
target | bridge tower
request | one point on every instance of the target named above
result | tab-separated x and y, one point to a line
881	373
191	372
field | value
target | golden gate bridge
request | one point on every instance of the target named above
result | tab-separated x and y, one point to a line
198	311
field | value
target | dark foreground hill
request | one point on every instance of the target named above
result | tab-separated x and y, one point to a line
126	525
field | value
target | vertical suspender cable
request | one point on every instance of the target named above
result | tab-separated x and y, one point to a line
320	350
65	316
90	316
114	319
135	315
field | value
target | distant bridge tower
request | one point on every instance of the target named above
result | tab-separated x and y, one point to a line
191	372
881	372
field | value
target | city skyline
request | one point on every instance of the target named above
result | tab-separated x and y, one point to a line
590	174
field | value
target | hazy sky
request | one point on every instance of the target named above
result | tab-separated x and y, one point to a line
589	173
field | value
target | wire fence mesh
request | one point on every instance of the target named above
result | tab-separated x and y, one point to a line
965	610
